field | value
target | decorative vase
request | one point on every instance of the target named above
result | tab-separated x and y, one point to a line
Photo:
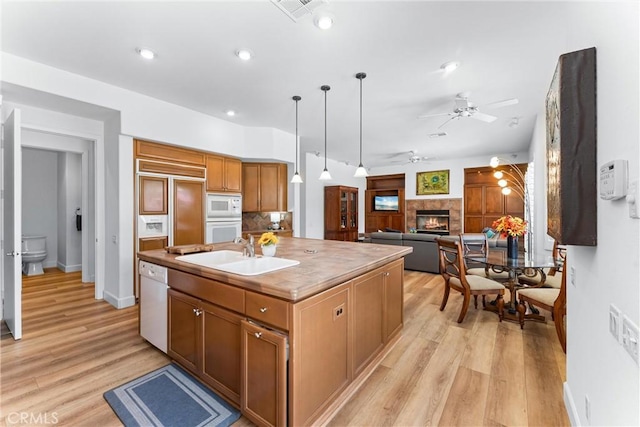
512	247
268	250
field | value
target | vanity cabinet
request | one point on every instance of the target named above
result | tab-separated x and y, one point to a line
264	187
264	375
224	174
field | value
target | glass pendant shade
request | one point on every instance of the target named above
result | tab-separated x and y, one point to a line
506	191
325	175
361	172
494	162
297	179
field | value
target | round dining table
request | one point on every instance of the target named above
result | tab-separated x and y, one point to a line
527	264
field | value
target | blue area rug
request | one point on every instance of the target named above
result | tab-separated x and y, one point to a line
169	397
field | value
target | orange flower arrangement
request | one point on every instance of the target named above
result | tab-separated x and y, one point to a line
510	225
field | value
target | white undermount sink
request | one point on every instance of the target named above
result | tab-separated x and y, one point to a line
234	262
211	259
255	266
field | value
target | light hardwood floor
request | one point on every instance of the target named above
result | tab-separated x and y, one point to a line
480	372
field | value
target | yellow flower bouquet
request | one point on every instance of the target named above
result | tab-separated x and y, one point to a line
510	225
268	239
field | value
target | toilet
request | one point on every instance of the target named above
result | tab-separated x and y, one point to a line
34	251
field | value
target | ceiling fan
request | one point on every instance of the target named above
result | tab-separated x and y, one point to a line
466	108
413	157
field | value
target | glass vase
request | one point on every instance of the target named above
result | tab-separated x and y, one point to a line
268	250
512	247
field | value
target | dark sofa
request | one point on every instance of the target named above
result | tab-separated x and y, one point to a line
425	248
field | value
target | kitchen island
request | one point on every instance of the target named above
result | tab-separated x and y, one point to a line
287	347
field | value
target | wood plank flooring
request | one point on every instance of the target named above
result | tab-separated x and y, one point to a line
480	372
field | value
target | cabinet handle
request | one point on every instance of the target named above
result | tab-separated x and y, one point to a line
197	311
387	274
258	334
263	309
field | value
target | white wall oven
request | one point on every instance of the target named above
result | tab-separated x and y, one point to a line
222	231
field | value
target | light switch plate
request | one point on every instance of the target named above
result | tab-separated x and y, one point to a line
630	337
615	318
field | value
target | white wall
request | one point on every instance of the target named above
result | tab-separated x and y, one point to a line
40	197
597	365
69	199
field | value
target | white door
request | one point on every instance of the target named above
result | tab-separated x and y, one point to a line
12	225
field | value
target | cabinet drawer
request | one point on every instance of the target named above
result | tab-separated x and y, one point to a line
207	289
268	310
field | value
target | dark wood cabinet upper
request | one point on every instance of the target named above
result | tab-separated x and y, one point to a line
264	187
224	174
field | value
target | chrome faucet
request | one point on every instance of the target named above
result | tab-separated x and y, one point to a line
249	245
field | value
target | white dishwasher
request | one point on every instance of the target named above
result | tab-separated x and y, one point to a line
153	304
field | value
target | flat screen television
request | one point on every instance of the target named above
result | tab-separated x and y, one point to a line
385	203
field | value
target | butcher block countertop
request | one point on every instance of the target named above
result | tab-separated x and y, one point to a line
323	265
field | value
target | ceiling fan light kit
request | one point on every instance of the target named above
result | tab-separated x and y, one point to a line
467	109
325	175
297	179
361	172
450	66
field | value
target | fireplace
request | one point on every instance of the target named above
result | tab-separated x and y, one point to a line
432	222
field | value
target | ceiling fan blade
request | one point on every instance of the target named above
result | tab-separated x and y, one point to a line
503	103
452	118
484	117
424	116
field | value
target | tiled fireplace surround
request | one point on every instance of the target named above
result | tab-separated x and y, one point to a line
454	206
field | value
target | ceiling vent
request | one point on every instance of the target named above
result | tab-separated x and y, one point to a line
296	9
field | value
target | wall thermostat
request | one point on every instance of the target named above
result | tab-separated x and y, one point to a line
613	180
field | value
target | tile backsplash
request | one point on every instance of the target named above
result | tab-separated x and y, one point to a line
258	221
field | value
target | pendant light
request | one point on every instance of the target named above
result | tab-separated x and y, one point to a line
296	176
325	175
361	172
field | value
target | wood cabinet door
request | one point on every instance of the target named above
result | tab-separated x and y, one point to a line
153	195
269	188
215	173
264	375
221	350
393	298
184	329
188	212
493	201
150	243
250	192
233	175
473	200
368	322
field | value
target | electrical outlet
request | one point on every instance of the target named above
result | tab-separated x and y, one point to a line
338	312
630	337
573	275
614	322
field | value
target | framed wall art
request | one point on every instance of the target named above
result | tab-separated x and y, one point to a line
433	182
571	150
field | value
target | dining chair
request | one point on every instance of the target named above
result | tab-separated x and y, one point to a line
477	244
454	272
553	275
551	299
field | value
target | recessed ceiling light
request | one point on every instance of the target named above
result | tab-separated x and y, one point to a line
230	113
244	54
146	53
323	21
450	66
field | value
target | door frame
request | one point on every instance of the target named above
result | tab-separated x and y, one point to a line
96	145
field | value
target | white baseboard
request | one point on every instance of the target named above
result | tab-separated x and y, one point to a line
119	302
570	406
49	264
69	268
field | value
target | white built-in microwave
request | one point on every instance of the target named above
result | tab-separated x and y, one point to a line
224	207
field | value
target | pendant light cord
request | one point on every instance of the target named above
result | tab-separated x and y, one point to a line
361	121
325	88
297	98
